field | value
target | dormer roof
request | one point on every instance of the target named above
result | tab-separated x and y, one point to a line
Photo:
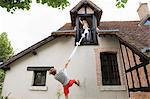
88	3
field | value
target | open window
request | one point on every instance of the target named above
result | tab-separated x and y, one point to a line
88	11
90	37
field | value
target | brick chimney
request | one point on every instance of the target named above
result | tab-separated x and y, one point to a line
143	11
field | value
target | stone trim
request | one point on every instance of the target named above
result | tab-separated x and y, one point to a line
38	88
112	88
98	69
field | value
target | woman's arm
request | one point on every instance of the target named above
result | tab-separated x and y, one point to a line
81	21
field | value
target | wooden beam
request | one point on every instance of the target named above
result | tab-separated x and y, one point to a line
39	68
77	35
64	31
34	52
124	66
146	75
108	31
93	32
142	89
137	66
134	49
130	67
5	68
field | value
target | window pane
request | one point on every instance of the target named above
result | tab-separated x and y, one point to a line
110	72
39	78
147	22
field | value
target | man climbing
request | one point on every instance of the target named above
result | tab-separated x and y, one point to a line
85	27
62	77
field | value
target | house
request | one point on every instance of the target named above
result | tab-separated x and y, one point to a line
112	61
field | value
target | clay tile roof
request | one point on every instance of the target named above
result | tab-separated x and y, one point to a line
129	31
67	26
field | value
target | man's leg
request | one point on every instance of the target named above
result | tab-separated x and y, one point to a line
66	96
66	91
66	88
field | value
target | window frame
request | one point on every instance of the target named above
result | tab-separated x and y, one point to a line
105	69
101	87
38	69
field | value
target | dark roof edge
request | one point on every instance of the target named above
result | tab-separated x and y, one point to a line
138	52
97	11
120	21
26	51
64	33
85	1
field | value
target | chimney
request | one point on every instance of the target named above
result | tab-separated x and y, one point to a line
143	11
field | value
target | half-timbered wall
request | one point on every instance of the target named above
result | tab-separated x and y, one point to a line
137	70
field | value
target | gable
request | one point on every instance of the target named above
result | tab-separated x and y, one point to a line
89	6
31	49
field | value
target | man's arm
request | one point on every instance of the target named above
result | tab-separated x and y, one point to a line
66	65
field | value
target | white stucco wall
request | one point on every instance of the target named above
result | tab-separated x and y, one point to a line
18	80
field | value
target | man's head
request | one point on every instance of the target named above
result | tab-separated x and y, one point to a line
52	71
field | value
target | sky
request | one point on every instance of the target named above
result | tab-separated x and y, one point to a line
25	28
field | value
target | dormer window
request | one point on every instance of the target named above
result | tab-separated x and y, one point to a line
147	22
86	24
88	13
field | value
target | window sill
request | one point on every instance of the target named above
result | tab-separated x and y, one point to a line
38	88
112	88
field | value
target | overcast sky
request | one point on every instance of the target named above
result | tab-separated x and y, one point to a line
25	28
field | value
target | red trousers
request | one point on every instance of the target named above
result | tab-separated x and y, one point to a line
66	87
